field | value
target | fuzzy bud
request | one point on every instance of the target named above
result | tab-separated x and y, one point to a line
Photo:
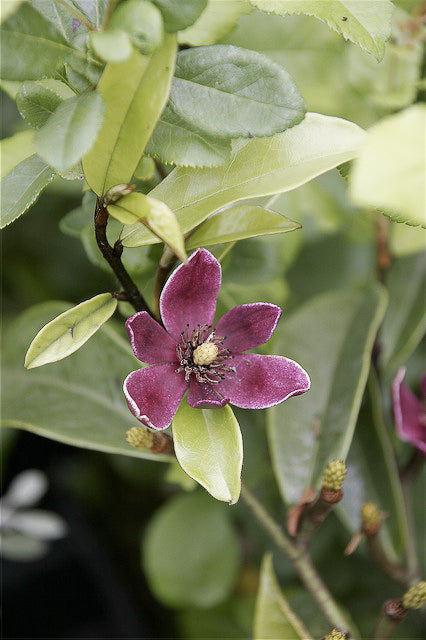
370	519
140	438
334	475
415	597
335	635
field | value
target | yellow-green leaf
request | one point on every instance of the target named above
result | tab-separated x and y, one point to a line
139	208
69	331
14	150
273	616
209	447
257	167
391	168
237	223
132	110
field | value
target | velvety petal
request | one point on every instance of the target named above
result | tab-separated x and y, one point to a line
205	396
154	393
263	381
248	325
190	294
409	414
150	342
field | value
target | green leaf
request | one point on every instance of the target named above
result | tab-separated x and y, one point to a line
228	92
257	167
273	616
112	46
142	21
14	150
36	103
364	22
332	338
209	448
404	324
9	8
31	47
73	223
71	131
175	141
22	186
215	22
70	330
77	401
178	15
155	215
145	169
191	553
373	475
132	110
390	171
237	223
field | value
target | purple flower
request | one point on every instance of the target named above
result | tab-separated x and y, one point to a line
191	353
409	412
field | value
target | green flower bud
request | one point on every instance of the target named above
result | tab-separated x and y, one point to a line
140	438
335	635
370	518
334	475
415	597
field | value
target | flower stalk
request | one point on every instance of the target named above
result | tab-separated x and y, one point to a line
393	612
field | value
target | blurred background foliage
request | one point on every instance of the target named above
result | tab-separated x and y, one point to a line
139	560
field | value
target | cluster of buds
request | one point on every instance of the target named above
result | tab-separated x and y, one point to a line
415	597
154	441
371	519
335	634
334	476
118	191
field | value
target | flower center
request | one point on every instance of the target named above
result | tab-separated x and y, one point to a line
206	353
200	353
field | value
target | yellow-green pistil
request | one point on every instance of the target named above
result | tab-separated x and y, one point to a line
205	354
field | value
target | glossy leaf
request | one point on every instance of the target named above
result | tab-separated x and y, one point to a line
71	131
364	22
77	401
404	324
175	141
178	15
155	215
142	21
112	46
373	475
228	92
132	110
14	150
191	552
215	22
390	171
258	167
209	448
331	337
237	223
273	616
22	186
36	103
31	47
70	330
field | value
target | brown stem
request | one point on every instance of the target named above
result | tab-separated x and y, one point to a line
382	245
299	559
315	514
113	256
167	261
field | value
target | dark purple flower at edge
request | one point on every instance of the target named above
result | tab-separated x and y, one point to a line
190	353
409	412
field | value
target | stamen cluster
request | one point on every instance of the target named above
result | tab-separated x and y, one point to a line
189	342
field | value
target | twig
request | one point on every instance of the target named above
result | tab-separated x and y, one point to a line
167	261
391	614
315	514
113	256
300	560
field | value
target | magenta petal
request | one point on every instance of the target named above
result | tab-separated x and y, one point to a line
205	396
150	342
154	393
248	325
190	294
263	381
409	414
